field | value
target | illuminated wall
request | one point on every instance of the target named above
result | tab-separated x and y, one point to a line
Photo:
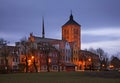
71	31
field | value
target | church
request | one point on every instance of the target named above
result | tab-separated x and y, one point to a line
47	54
54	54
41	54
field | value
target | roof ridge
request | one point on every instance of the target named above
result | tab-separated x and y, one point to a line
71	21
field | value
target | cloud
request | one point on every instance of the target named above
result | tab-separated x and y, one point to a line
112	32
11	37
7	35
111	46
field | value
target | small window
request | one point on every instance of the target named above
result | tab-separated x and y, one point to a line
22	59
13	59
2	61
16	59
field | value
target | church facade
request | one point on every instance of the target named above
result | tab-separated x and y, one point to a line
55	54
41	54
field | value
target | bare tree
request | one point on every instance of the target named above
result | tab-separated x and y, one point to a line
25	46
92	50
118	55
45	49
33	50
102	57
5	52
115	61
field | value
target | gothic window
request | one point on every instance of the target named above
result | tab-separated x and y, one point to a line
54	67
65	32
22	59
14	67
13	59
16	59
66	58
75	31
2	61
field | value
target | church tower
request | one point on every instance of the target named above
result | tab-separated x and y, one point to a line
71	32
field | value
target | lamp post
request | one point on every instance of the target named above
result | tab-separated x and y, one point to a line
24	44
85	61
89	63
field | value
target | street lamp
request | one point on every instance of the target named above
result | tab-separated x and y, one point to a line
89	63
29	62
49	60
32	57
89	59
103	65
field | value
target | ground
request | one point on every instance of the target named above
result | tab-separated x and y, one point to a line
62	77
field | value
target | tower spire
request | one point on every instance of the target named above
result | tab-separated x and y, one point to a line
43	31
71	16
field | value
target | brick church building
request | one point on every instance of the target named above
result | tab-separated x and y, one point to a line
41	54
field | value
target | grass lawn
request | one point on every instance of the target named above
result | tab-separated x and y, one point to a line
61	77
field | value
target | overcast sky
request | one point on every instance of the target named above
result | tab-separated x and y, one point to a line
100	20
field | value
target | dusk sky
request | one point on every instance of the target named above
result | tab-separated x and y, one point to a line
99	20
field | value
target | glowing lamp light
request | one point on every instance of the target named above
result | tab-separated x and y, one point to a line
32	57
89	59
29	61
49	60
103	65
111	66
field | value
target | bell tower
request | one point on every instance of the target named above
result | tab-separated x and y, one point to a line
71	32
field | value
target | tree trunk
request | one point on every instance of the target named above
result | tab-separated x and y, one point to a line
6	64
101	65
36	70
6	61
26	60
47	64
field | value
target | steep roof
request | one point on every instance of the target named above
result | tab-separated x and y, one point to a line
71	21
40	39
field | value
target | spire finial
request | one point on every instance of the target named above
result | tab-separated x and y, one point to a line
43	31
71	16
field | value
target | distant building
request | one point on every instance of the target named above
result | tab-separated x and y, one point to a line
114	63
9	58
88	61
